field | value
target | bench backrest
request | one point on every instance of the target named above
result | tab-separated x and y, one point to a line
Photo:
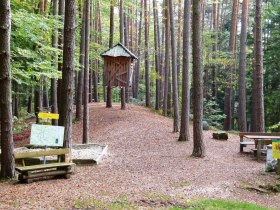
41	153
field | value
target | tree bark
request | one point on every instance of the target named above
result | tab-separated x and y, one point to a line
258	106
137	70
174	70
61	11
198	147
79	95
121	22
54	80
68	70
7	144
179	43
156	37
167	62
184	130
147	63
123	104
232	48
242	119
111	35
86	73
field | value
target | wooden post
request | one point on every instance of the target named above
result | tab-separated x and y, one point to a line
123	105
109	97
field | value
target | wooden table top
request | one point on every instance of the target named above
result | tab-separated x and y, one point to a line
261	137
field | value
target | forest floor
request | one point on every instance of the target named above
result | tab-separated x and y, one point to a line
146	166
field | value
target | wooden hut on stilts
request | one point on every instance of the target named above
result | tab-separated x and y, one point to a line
118	71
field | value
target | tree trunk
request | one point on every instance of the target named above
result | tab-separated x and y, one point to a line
198	147
29	103
137	70
174	70
79	94
156	37
179	43
121	22
184	131
242	120
7	144
111	35
86	72
258	106
123	105
232	48
147	64
61	11
68	70
167	62
54	80
109	97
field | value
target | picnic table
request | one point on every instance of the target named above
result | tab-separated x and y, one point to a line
261	140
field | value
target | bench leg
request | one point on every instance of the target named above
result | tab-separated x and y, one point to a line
241	147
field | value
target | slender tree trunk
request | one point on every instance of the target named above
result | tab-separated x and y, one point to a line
29	103
111	35
184	131
258	106
167	56
46	103
198	147
61	11
179	43
232	46
121	22
174	70
137	70
68	70
54	80
79	94
7	144
123	104
156	37
242	119
86	73
147	63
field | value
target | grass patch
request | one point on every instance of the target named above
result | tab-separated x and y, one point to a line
205	204
223	204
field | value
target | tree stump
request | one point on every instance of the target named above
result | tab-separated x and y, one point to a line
220	135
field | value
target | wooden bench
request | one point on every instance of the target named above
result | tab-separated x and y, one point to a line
57	168
247	142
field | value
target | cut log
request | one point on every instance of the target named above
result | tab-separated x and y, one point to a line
220	135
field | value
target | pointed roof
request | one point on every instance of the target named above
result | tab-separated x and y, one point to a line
119	50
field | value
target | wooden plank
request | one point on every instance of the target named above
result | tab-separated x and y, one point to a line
43	166
259	134
261	137
45	173
41	153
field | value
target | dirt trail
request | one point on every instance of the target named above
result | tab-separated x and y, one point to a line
145	160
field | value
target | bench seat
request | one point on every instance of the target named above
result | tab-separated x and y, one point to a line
43	166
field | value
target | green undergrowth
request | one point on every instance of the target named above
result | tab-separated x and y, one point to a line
202	204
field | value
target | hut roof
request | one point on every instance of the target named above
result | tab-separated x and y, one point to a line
117	51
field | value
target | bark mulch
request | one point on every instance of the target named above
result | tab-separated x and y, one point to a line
145	162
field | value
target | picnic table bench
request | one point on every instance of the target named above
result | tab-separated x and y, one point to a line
55	168
259	139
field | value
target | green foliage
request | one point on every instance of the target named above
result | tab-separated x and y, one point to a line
274	128
213	114
31	48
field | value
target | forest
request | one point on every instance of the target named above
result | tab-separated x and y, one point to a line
214	62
